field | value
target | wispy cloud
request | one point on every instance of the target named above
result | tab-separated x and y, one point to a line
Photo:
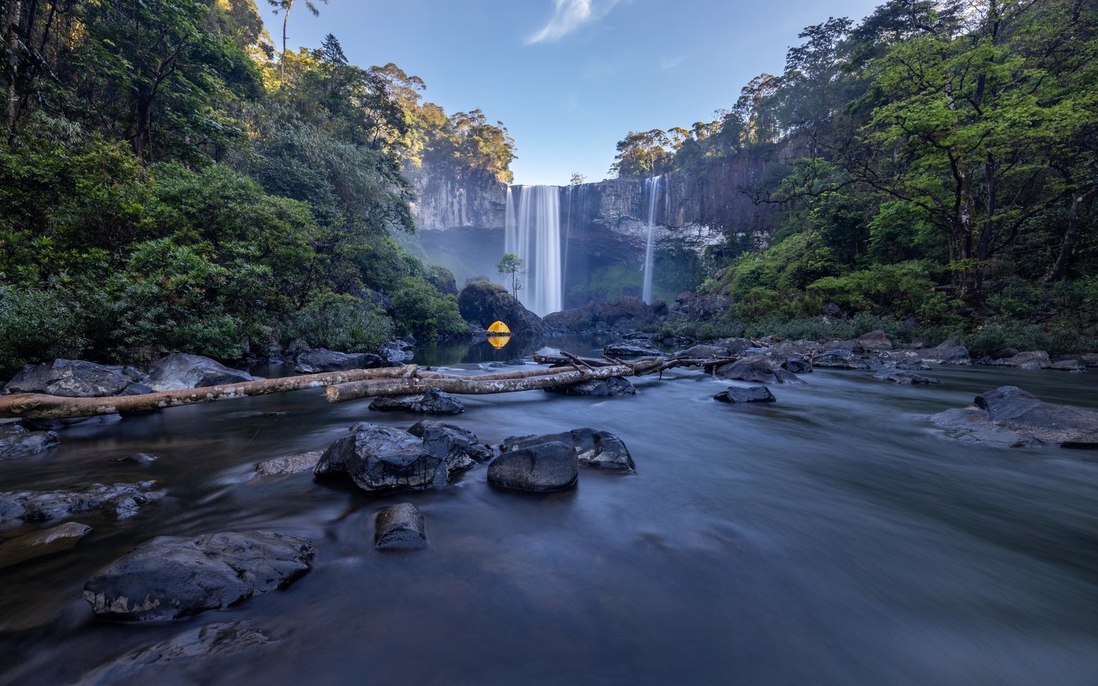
569	15
667	63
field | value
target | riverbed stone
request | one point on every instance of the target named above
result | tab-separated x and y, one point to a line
74	379
1068	365
180	372
434	401
459	447
1012	416
136	458
381	458
121	500
840	359
905	378
1090	360
752	394
289	465
172	577
541	468
17	442
1033	360
400	527
947	354
598	449
42	543
796	364
320	360
616	387
630	350
757	369
874	341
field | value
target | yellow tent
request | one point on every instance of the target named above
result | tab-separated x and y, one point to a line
499	329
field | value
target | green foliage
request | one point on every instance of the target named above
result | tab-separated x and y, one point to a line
512	266
339	322
425	312
37	324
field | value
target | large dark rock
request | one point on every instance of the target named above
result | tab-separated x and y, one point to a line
381	458
1068	365
398	353
173	577
121	500
947	354
797	365
905	378
166	660
74	379
319	361
483	303
18	442
615	387
621	314
400	527
754	394
1011	416
757	369
703	352
289	465
839	359
433	401
541	468
42	543
874	341
599	449
459	447
1029	360
629	350
179	372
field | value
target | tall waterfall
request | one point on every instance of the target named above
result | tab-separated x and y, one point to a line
533	233
652	191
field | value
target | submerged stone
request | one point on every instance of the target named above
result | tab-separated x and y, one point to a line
616	387
42	543
433	401
17	442
121	500
905	378
400	527
173	577
754	394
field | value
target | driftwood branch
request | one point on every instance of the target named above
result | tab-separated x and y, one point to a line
35	406
466	385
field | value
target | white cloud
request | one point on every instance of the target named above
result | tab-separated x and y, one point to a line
672	62
569	15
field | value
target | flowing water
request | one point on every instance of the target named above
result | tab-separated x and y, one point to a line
652	192
832	538
533	233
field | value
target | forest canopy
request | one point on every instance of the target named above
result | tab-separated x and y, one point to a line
170	181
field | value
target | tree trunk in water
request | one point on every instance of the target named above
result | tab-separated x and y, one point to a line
470	385
34	406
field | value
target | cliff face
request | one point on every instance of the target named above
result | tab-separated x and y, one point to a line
604	225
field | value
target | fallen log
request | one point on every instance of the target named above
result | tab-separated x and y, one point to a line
466	385
37	406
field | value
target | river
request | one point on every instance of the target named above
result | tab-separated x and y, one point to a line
833	538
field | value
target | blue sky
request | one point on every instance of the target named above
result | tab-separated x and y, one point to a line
569	78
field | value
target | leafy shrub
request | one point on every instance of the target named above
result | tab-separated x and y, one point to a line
425	312
339	322
38	324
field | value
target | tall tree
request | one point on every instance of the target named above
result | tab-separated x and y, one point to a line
285	7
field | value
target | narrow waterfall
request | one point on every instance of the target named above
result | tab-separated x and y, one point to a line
652	191
533	233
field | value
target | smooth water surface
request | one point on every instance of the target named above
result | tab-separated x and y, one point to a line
831	538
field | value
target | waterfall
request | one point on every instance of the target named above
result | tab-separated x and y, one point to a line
652	191
533	233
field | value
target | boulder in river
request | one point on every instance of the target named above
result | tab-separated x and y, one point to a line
42	543
630	350
180	372
616	387
1033	360
1068	365
459	447
286	466
874	341
136	458
905	378
381	458
947	354
121	500
18	442
172	577
757	369
319	361
541	468
839	359
1011	416
74	379
797	365
753	394
400	527
434	401
599	449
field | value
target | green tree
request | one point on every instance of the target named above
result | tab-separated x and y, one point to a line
511	266
285	7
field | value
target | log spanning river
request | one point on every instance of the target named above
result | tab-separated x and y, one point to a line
833	537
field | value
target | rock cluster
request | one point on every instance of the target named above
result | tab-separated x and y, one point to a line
18	442
433	401
121	500
1013	417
